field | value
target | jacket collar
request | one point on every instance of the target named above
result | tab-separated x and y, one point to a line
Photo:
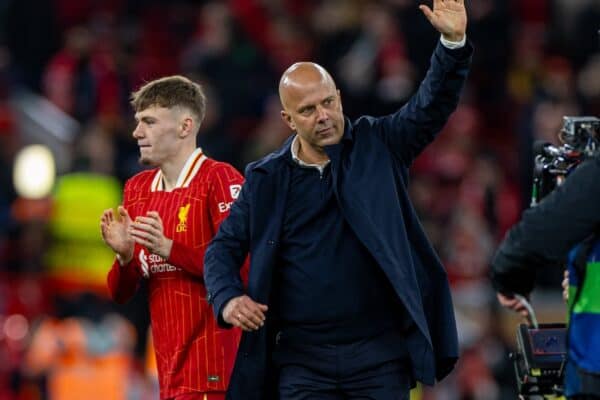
348	135
270	162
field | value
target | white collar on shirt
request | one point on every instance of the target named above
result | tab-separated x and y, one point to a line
294	149
188	172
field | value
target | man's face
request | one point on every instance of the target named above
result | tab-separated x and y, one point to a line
314	111
156	133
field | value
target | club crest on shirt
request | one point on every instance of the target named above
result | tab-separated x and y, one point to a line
235	190
182	215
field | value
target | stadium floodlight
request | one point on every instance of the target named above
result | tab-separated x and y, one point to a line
34	172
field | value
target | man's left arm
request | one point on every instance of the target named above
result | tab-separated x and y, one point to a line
549	231
416	124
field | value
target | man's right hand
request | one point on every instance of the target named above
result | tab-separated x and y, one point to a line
115	233
245	313
512	303
449	17
565	286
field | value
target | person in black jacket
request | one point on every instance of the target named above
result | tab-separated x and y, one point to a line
547	233
564	226
346	297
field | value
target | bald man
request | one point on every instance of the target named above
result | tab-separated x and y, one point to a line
346	297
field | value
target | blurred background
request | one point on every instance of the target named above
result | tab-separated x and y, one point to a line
67	68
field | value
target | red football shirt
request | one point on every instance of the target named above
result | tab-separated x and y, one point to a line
192	353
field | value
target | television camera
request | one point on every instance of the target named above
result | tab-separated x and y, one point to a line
580	137
541	349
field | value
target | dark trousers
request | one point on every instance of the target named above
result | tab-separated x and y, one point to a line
387	381
581	385
348	371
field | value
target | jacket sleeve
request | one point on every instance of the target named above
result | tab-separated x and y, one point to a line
225	182
549	231
407	131
226	254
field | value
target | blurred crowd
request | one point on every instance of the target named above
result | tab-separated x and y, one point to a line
66	71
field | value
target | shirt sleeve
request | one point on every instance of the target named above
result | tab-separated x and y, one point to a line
123	280
453	45
225	184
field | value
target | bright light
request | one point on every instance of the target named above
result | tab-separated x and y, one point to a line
34	172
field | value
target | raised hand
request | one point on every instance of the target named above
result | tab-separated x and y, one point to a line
449	17
115	232
149	232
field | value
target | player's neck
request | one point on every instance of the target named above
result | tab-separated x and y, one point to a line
171	169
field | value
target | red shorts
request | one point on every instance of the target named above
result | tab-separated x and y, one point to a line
200	396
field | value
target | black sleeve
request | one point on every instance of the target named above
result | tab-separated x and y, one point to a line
549	231
226	253
410	129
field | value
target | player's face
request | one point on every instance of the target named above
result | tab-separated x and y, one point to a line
314	111
156	134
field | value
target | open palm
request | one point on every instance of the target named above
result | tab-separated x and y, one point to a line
115	232
449	17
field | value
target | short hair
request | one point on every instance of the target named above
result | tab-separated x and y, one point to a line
169	92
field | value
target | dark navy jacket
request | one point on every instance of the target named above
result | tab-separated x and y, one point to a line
370	177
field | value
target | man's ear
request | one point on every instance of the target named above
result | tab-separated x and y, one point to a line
288	120
187	127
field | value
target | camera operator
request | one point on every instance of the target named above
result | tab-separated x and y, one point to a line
564	226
